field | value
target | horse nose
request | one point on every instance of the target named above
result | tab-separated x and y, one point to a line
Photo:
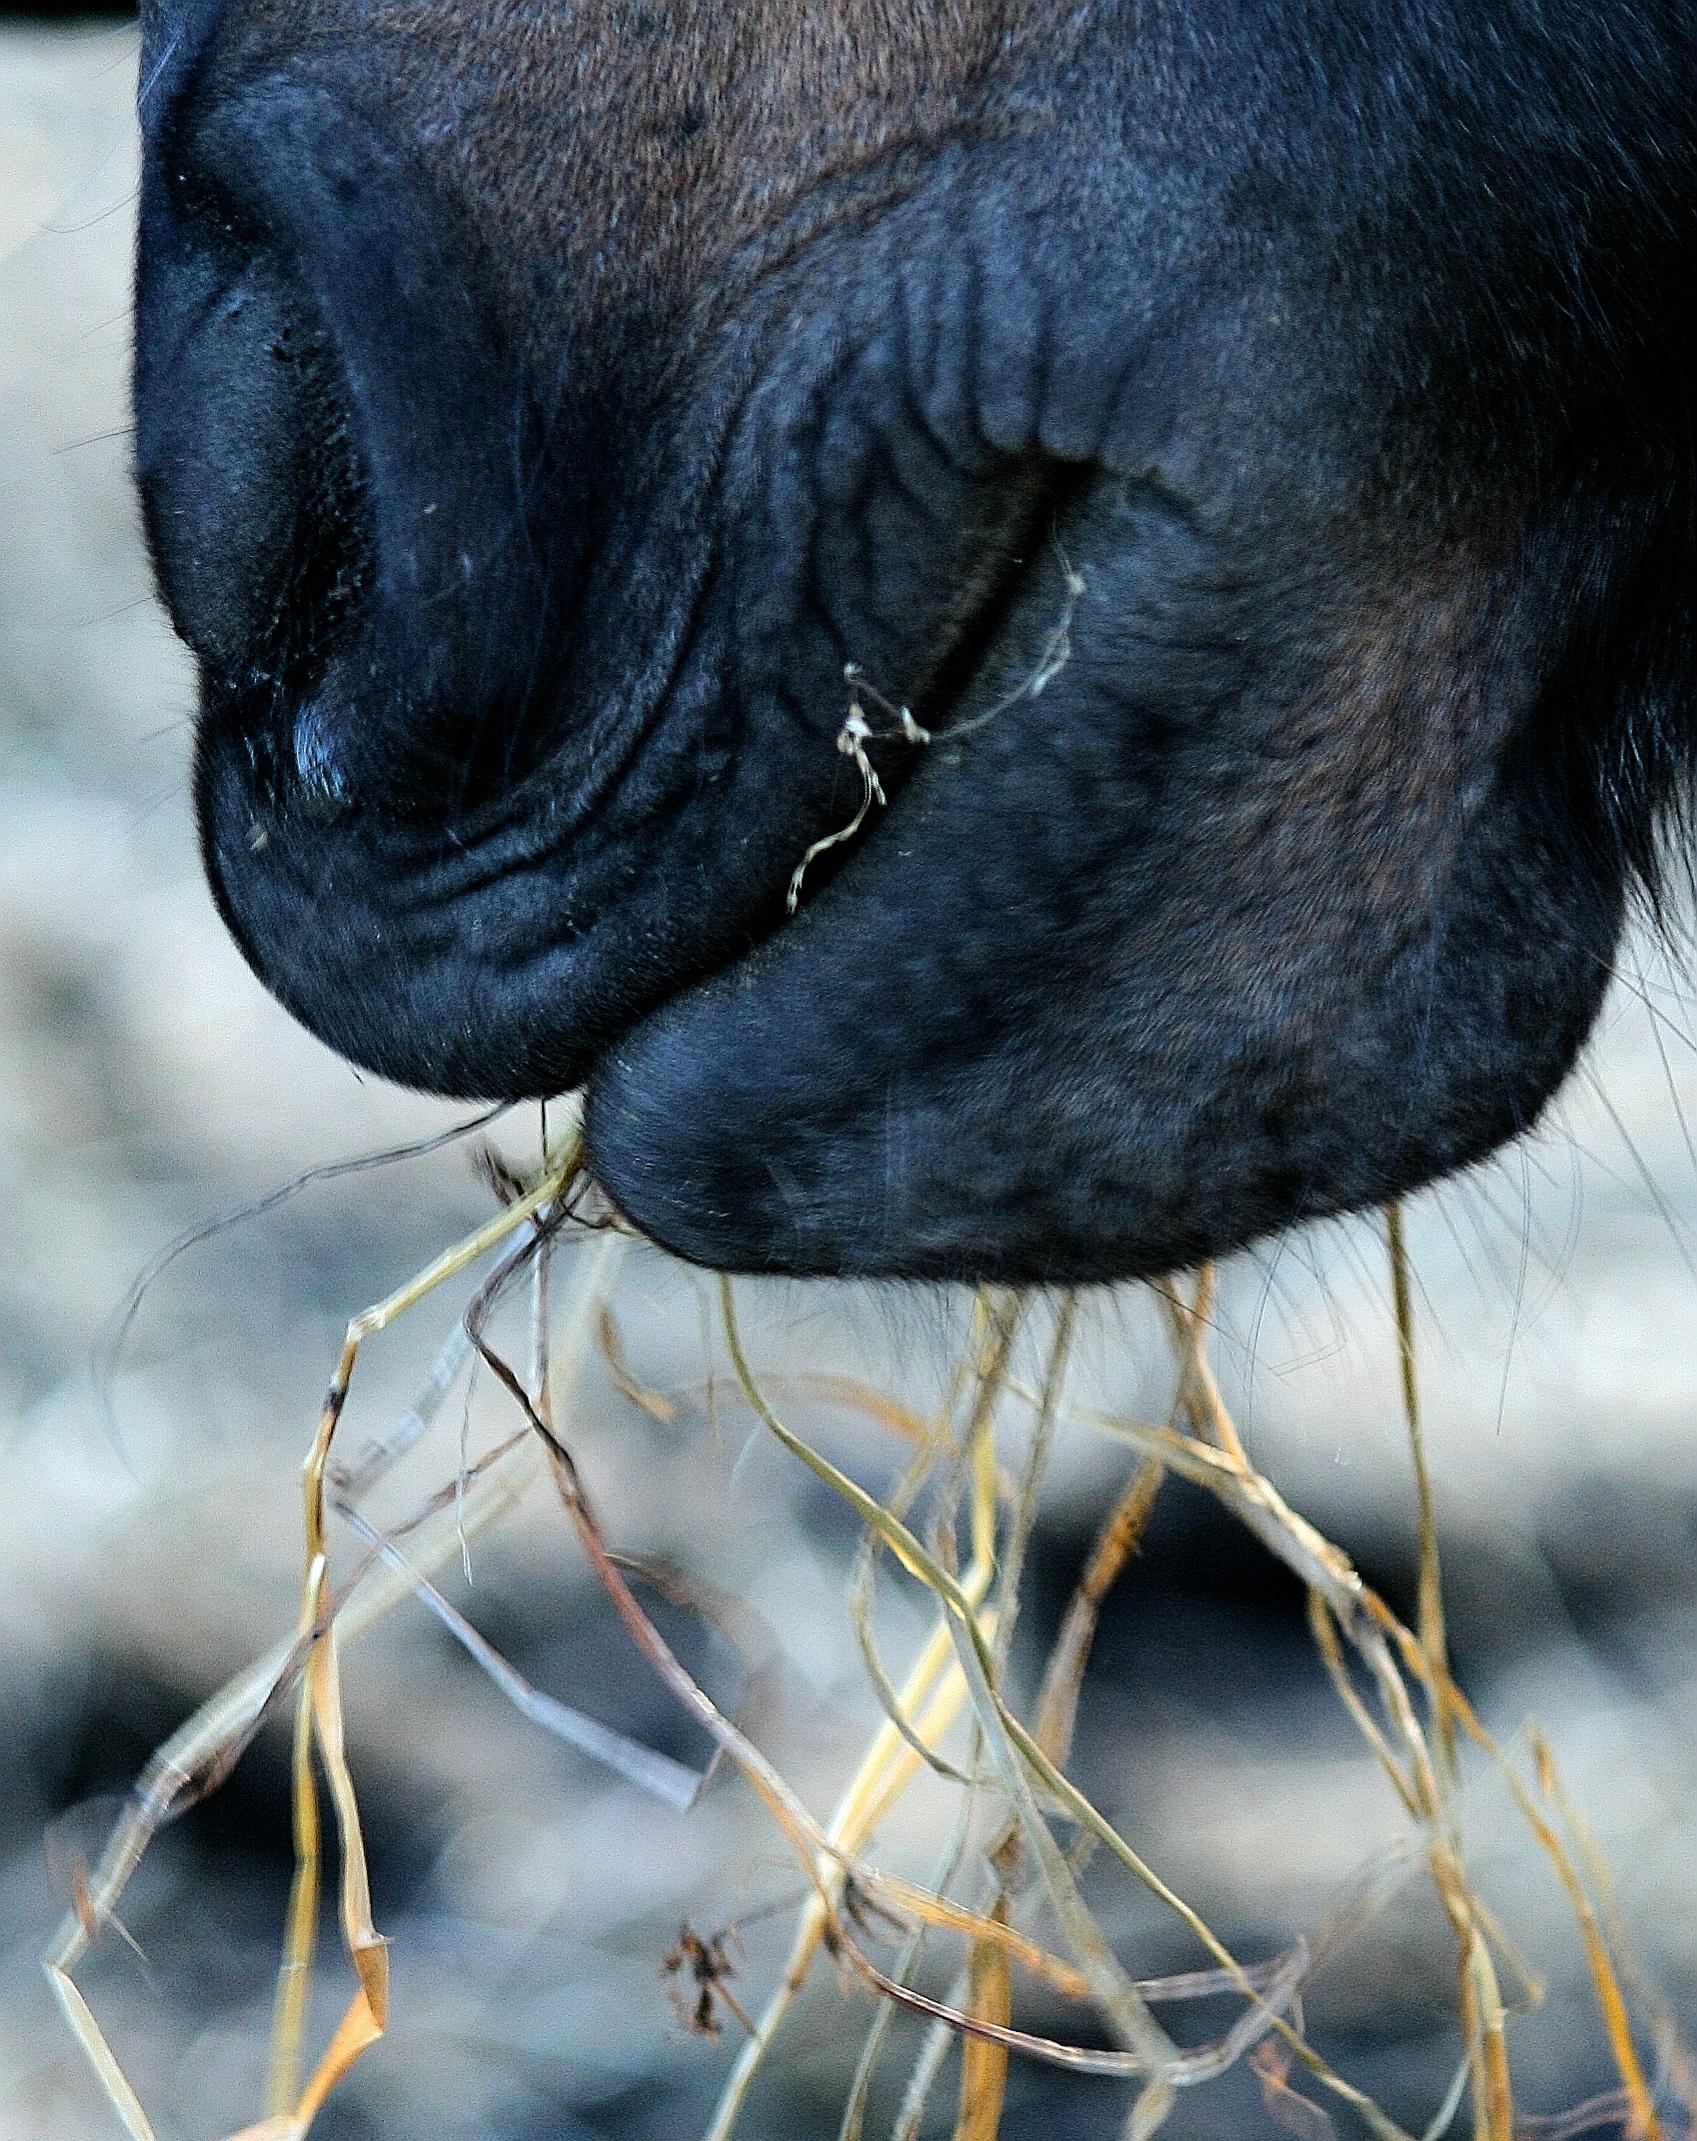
326	434
250	486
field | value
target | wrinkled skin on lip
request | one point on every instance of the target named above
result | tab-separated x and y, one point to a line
538	410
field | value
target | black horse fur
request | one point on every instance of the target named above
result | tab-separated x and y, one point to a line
1253	438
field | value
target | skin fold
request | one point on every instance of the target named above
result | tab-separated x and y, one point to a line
1252	439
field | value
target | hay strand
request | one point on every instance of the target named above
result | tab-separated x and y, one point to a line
954	1527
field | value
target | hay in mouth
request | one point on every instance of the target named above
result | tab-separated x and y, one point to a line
1004	1901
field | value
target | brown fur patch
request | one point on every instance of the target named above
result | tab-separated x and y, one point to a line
631	147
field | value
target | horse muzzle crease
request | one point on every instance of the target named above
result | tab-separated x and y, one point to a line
549	435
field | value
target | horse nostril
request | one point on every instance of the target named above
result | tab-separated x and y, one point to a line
323	790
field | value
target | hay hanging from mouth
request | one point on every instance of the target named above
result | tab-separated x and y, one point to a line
1005	1900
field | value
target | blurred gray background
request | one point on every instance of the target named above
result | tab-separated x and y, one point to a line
147	1084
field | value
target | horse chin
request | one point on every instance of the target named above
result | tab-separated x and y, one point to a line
1170	952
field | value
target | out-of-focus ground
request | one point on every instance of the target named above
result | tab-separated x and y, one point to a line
147	1083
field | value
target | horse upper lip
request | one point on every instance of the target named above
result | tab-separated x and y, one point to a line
579	785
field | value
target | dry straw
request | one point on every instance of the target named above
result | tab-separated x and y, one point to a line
1006	1896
